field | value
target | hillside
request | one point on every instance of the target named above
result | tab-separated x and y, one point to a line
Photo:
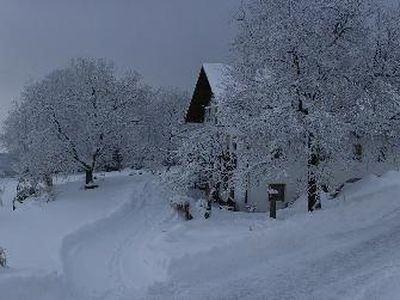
122	241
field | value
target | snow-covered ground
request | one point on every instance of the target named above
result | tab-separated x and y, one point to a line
122	241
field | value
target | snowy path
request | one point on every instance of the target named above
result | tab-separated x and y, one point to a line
109	259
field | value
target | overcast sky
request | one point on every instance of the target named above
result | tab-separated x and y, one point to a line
165	40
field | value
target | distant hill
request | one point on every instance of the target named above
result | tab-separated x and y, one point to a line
6	162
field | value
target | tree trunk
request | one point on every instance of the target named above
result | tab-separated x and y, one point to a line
313	196
89	180
48	180
272	209
89	176
313	193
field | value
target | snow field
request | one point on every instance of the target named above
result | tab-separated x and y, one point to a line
122	241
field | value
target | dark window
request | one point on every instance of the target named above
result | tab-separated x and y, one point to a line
357	152
277	153
382	154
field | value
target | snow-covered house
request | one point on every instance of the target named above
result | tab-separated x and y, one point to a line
210	87
255	192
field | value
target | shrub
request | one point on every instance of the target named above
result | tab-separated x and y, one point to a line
183	209
3	258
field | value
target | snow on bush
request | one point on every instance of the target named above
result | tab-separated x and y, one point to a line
3	258
25	189
28	187
182	207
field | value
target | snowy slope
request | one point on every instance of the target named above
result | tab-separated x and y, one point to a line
346	252
122	241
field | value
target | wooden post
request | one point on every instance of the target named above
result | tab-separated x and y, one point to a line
276	192
272	208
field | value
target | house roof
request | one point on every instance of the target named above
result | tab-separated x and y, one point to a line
211	83
217	77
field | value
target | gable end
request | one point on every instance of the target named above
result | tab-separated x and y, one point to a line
201	98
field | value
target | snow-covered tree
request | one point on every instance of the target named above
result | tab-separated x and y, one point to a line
304	86
383	114
73	118
167	114
159	128
205	163
199	157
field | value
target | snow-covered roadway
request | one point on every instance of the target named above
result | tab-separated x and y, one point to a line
140	250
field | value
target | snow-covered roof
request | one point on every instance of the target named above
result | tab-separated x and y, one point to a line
217	74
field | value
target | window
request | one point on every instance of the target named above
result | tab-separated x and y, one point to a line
227	142
382	154
207	114
357	152
210	114
277	153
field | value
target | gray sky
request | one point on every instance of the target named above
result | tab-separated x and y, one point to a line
165	40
